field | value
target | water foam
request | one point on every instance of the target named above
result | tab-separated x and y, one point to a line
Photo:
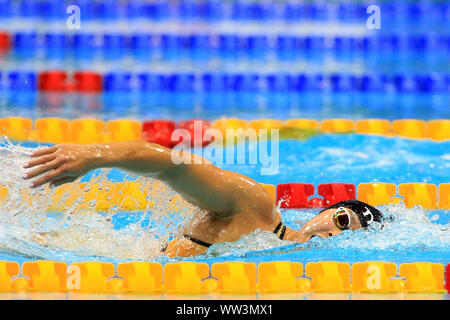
403	230
78	232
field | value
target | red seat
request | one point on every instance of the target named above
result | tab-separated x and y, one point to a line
295	195
335	192
158	131
196	129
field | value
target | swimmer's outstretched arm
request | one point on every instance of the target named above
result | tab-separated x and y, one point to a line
199	181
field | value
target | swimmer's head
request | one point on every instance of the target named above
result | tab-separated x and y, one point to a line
344	215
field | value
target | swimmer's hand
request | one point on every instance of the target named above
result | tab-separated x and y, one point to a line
59	164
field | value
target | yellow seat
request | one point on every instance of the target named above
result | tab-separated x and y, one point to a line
125	130
46	275
410	128
337	125
302	123
90	277
444	196
85	131
373	126
235	277
16	128
141	277
423	276
52	130
421	194
265	124
376	193
373	276
8	270
229	123
185	277
329	276
270	188
438	130
279	276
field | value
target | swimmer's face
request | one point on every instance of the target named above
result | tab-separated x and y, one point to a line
323	226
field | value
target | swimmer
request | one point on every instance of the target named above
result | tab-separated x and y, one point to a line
235	204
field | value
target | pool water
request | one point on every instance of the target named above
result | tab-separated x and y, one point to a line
408	235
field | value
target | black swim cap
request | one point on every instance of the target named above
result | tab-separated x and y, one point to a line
365	212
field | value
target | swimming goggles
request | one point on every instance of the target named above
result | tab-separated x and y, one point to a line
342	218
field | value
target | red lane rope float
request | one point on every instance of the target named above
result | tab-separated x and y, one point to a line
196	129
294	195
447	279
158	131
53	80
336	192
87	81
5	42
